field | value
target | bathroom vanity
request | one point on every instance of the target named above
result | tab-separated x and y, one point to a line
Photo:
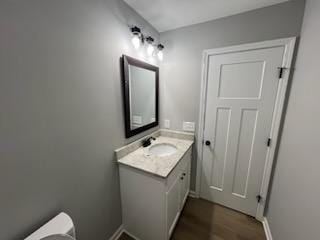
154	183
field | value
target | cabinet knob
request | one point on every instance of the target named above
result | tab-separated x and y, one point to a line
181	178
208	143
183	174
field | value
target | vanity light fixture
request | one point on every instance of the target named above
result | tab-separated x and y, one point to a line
160	51
150	48
136	37
139	39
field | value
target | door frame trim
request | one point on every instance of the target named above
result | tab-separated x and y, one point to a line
289	44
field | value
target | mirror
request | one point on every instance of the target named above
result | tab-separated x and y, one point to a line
141	95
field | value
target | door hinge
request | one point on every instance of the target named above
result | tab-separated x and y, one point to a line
281	70
259	198
269	142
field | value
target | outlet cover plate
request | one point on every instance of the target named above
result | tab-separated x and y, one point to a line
167	123
188	126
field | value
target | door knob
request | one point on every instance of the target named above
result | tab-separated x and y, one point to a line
208	143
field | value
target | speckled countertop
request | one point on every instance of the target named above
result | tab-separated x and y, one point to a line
156	165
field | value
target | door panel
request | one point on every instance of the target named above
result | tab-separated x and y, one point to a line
243	159
241	92
173	205
220	146
185	184
249	86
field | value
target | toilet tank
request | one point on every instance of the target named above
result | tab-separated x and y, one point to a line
60	224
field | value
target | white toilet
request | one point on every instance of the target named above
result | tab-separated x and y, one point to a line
59	228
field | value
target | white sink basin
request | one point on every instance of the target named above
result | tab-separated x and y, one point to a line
162	149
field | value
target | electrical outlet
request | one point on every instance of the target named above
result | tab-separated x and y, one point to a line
188	126
167	123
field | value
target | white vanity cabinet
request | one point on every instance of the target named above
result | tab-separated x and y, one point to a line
151	205
176	195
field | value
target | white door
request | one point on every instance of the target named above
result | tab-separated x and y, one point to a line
241	92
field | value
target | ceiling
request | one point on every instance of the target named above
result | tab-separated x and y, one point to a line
171	14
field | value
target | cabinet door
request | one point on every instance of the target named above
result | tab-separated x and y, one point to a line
185	185
173	206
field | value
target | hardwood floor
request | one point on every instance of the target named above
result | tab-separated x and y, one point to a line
203	220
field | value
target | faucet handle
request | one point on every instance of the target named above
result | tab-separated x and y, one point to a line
147	141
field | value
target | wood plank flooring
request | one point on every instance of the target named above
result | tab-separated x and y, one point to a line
203	220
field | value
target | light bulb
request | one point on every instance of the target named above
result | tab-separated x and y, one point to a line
160	55
136	41
150	49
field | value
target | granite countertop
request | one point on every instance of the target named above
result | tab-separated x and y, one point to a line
156	165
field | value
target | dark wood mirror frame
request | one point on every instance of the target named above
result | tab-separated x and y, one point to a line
126	61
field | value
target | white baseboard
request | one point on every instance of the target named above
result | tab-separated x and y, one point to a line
266	228
130	235
192	194
117	233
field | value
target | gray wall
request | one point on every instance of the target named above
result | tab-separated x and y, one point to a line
181	68
293	211
61	113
